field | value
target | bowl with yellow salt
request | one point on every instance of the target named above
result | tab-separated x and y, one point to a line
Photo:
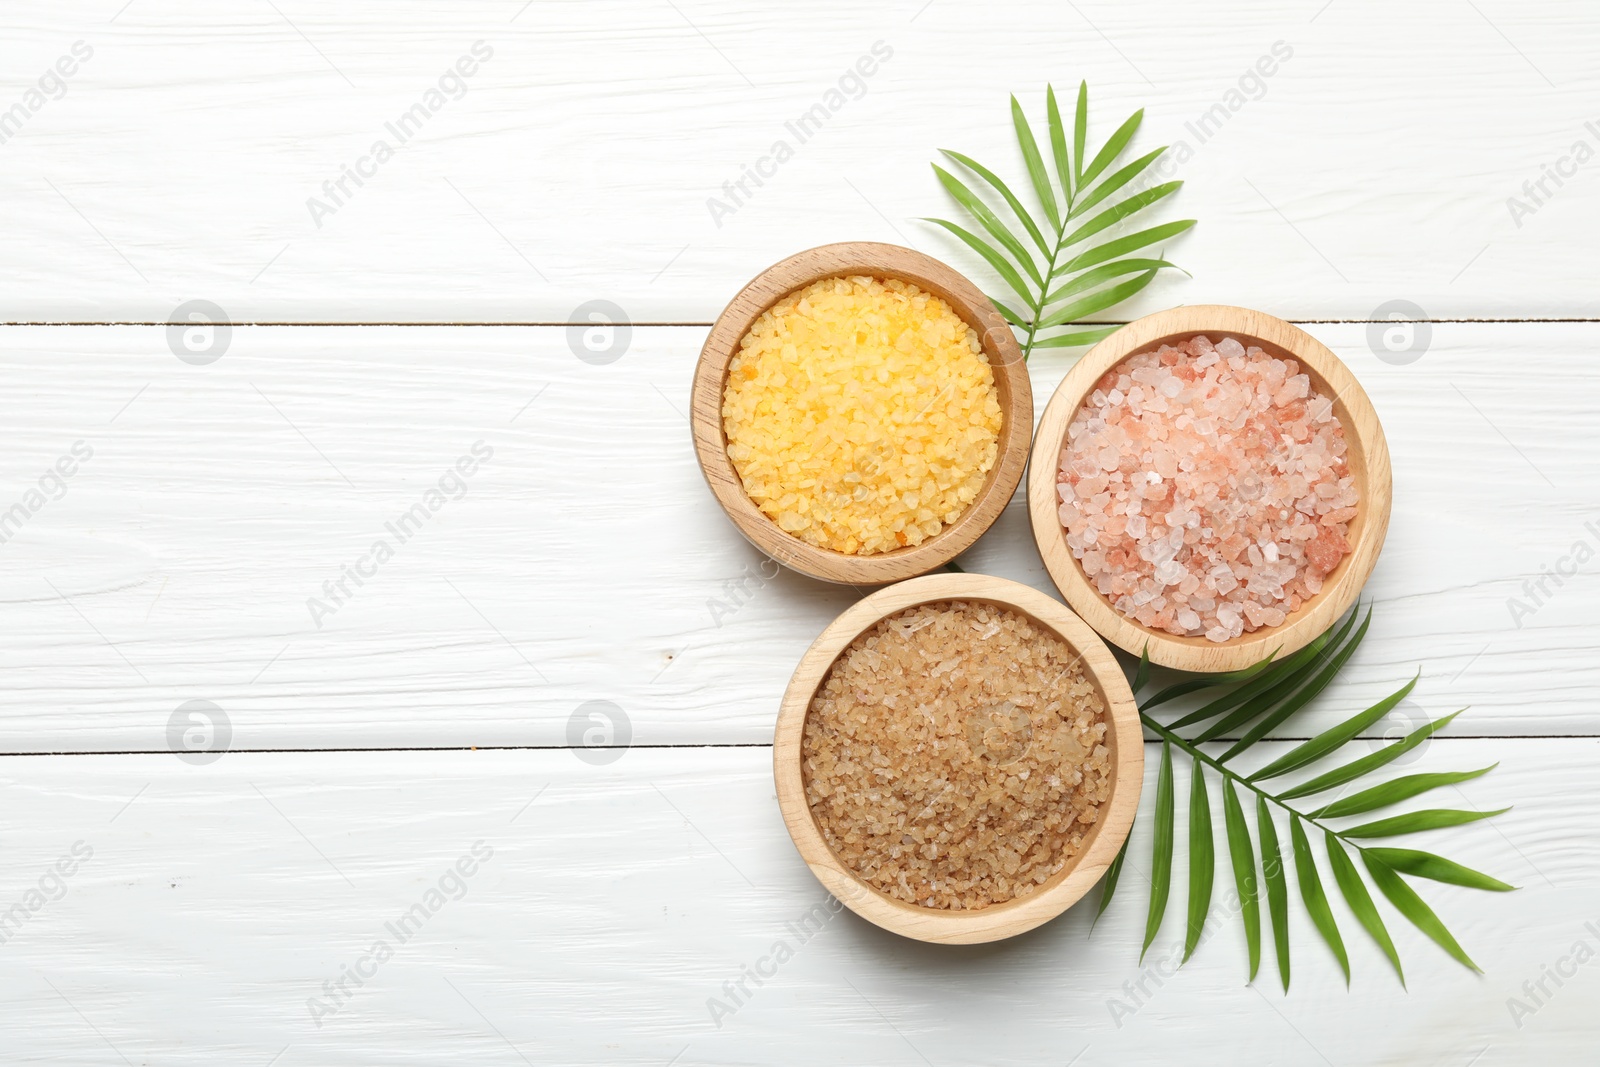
861	412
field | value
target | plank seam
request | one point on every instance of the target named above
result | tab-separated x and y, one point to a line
542	323
669	747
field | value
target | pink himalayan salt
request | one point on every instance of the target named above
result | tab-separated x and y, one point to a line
1205	489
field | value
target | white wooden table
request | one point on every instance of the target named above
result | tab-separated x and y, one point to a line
435	715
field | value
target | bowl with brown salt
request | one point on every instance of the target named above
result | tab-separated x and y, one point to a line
1209	484
958	758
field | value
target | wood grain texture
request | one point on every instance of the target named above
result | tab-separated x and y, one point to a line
195	537
582	157
618	901
1368	456
1012	385
584	160
1124	740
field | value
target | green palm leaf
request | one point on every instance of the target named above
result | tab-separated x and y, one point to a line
1094	302
1262	697
1076	338
1194	685
1243	858
1058	140
1012	316
1121	210
1381	796
1160	852
1319	681
1437	868
1407	903
1264	692
1360	901
1367	764
1080	132
1123	245
1202	861
1329	740
1117	180
1112	149
1113	872
989	253
989	220
1277	887
1305	867
1063	217
1104	273
1005	191
1141	676
1035	163
1414	822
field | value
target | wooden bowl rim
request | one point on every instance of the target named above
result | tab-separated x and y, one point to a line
1369	461
874	259
1124	738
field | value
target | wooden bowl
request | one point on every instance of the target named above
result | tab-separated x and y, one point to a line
1124	739
878	261
1368	457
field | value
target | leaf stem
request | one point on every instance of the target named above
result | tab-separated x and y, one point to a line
1195	754
1049	272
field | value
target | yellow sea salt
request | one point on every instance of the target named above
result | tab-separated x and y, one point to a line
861	414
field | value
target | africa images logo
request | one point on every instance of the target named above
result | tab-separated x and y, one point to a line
452	485
450	85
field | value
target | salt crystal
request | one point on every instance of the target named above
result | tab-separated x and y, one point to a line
1170	572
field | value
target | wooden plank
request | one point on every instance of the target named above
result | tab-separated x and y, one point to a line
579	160
216	506
618	900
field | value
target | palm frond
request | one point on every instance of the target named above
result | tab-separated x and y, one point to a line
1256	701
1359	900
1243	858
1202	860
1277	886
1160	852
1077	201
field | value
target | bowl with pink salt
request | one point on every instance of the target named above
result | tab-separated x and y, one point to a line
1212	484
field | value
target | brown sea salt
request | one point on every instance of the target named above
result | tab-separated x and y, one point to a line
955	757
1205	488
